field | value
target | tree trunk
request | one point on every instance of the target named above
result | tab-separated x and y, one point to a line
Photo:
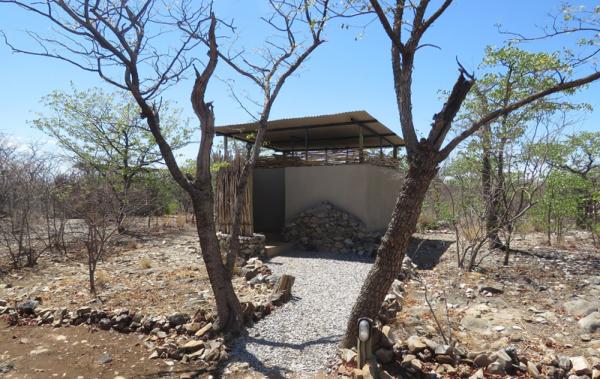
229	310
91	273
241	185
489	193
394	243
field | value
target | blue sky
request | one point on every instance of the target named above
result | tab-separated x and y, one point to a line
344	74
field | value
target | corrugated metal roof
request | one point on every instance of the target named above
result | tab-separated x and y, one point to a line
333	131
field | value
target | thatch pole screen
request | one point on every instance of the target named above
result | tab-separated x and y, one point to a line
226	180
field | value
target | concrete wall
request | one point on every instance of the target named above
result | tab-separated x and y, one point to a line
366	191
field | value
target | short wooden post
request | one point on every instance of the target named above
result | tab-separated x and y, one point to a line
283	290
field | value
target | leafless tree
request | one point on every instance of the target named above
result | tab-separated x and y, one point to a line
92	200
405	23
25	175
268	70
120	42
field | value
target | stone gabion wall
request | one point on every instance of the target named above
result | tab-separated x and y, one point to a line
328	228
249	246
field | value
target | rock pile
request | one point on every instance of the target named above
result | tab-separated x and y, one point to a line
328	228
249	246
419	357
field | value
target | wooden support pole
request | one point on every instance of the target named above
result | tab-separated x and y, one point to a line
306	144
361	151
395	152
325	156
226	147
380	147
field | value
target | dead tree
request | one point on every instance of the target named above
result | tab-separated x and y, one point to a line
405	24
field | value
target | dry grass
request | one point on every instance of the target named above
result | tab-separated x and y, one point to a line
102	278
180	221
145	262
471	232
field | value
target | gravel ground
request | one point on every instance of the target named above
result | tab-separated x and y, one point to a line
302	336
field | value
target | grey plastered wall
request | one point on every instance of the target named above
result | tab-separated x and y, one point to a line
268	199
366	191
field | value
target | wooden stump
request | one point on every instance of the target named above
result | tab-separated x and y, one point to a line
283	290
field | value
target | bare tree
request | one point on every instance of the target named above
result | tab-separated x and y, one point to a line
268	71
25	176
115	40
405	23
269	74
93	201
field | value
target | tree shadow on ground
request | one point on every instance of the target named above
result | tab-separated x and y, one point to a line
426	253
241	354
311	254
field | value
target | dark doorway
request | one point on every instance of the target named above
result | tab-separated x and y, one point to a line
268	199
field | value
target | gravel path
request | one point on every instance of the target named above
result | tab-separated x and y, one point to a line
302	336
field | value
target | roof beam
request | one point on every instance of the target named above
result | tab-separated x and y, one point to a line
361	123
317	126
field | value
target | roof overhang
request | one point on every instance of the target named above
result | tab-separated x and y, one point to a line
334	131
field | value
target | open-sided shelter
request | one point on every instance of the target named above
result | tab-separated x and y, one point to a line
347	159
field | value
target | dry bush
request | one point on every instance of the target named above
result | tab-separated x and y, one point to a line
426	220
527	227
180	221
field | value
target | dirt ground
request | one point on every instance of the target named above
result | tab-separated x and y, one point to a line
80	352
160	274
155	274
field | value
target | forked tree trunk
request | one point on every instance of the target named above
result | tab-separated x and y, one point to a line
229	310
394	243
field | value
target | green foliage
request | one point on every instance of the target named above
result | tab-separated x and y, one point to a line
104	134
216	166
579	153
105	131
559	204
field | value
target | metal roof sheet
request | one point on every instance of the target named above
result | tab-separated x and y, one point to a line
332	131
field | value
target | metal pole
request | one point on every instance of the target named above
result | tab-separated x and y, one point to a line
364	342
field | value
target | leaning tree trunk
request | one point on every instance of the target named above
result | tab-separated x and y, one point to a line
394	243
